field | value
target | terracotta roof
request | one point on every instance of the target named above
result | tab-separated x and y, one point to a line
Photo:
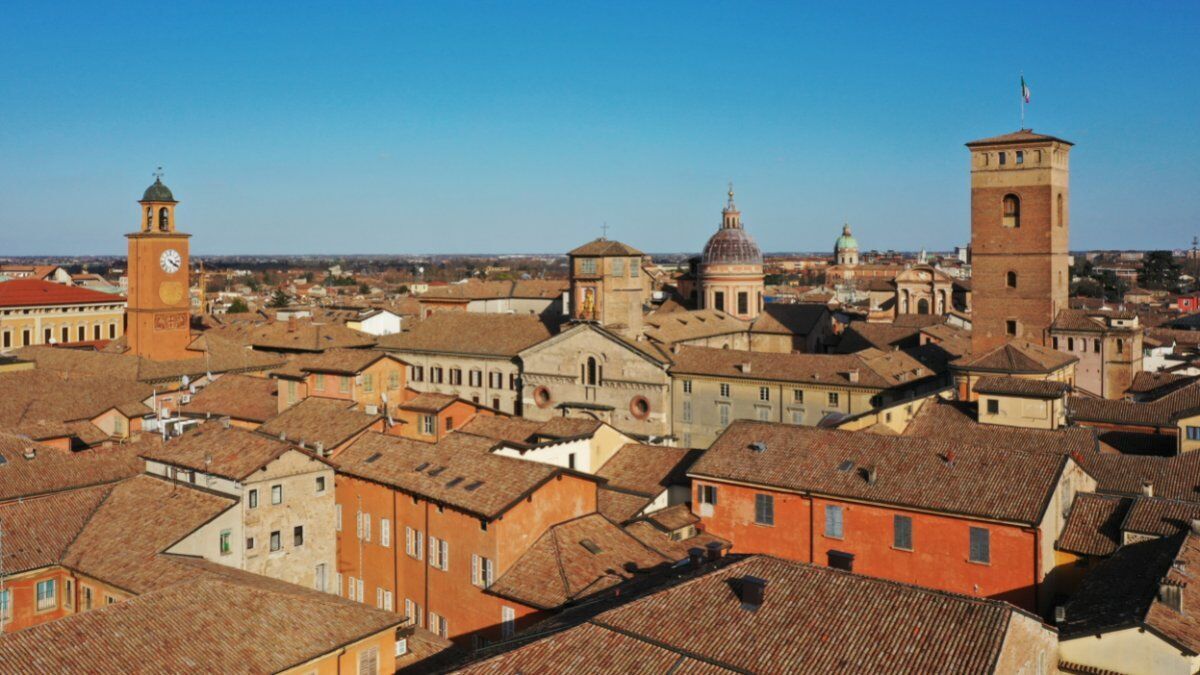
1123	591
860	335
54	470
253	399
36	292
141	517
618	506
946	476
951	422
1094	524
656	530
1160	517
872	368
1017	357
647	470
860	623
512	429
502	335
604	247
1017	137
567	427
41	402
1175	477
1014	386
307	336
328	421
428	402
1154	385
790	319
189	625
457	471
37	532
338	361
532	289
1160	412
695	324
574	560
233	452
1077	320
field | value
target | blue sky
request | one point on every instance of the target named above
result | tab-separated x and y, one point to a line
522	127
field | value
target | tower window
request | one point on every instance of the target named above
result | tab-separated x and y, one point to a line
1060	209
1010	279
164	220
591	372
1012	211
1020	157
1010	328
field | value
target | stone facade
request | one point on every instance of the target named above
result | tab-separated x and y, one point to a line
587	371
1019	236
490	382
25	326
608	285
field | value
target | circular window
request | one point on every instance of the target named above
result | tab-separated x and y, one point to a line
640	407
541	396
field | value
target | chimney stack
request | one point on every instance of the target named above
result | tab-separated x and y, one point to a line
753	592
695	556
1170	593
714	550
30	452
853	375
1147	488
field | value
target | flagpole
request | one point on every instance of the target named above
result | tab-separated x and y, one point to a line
1022	99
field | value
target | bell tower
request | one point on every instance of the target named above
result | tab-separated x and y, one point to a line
1020	195
158	318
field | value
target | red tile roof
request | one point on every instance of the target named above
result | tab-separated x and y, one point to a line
1094	524
53	470
233	452
35	292
1020	136
1000	385
242	397
328	421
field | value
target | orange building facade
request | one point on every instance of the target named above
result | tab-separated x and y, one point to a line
158	319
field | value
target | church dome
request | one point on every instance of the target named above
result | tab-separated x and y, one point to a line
158	192
846	241
732	246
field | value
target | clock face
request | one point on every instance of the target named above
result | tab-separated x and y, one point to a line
170	261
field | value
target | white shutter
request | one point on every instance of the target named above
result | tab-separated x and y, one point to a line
408	540
379	597
361	597
358	524
489	577
385	532
433	550
387	600
475	569
367	526
444	556
350	588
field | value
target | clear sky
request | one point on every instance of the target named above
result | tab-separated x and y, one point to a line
394	127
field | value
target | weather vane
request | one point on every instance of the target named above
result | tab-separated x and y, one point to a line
604	228
158	174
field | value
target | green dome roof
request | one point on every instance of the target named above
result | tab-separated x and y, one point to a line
845	241
158	192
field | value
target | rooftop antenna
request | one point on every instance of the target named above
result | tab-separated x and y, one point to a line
2	577
604	229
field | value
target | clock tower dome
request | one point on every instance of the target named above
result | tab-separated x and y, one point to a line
158	318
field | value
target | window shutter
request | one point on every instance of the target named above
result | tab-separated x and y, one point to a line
487	582
445	555
358	524
475	576
367	527
408	540
368	661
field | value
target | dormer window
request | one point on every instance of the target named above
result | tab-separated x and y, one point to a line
1012	211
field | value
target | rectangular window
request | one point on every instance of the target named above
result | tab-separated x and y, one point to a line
762	414
387	601
414	542
981	545
366	528
475	378
394	379
496	380
707	494
361	595
350	588
618	267
764	509
723	415
456	376
69	594
320	484
291	391
797	417
319	577
587	266
687	386
276	541
902	532
833	522
743	302
724	389
482	571
435	375
337	517
87	597
320	381
1096	345
1020	157
47	595
508	621
276	494
252	499
635	264
385	532
418	373
344	384
797	396
249	543
428	424
368	381
1010	327
1193	433
512	382
6	604
833	398
412	611
719	301
993	406
226	542
1002	158
368	661
571	460
764	393
298	535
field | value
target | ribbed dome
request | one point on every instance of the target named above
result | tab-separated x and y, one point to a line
732	246
158	192
845	241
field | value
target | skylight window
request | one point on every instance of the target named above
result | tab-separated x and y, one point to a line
455	482
845	466
422	466
474	486
591	546
374	457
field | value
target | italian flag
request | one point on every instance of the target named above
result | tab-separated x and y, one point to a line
1024	89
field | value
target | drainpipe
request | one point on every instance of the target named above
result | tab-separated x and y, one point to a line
425	564
395	554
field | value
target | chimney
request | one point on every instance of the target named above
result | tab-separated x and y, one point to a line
872	474
319	448
714	550
1147	489
30	452
1170	593
1060	613
852	375
753	592
291	323
225	422
744	367
695	556
949	456
1195	526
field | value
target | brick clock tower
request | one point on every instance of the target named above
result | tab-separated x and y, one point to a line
158	318
1019	237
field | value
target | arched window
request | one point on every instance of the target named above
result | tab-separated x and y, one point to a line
922	306
1060	209
1012	211
591	372
149	218
1010	279
164	220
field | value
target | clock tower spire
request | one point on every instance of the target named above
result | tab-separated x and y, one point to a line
158	317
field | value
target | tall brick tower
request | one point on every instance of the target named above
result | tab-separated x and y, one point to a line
158	320
1019	237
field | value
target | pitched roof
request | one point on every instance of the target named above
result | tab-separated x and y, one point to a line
872	368
1123	591
1160	412
37	532
36	293
428	402
1017	357
951	422
574	560
1077	320
1175	477
656	530
947	476
328	421
338	361
789	319
637	474
525	433
1020	136
1001	385
604	247
860	335
858	623
695	324
40	402
233	452
1094	524
53	470
500	335
457	471
253	399
1153	385
277	627
307	336
532	289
